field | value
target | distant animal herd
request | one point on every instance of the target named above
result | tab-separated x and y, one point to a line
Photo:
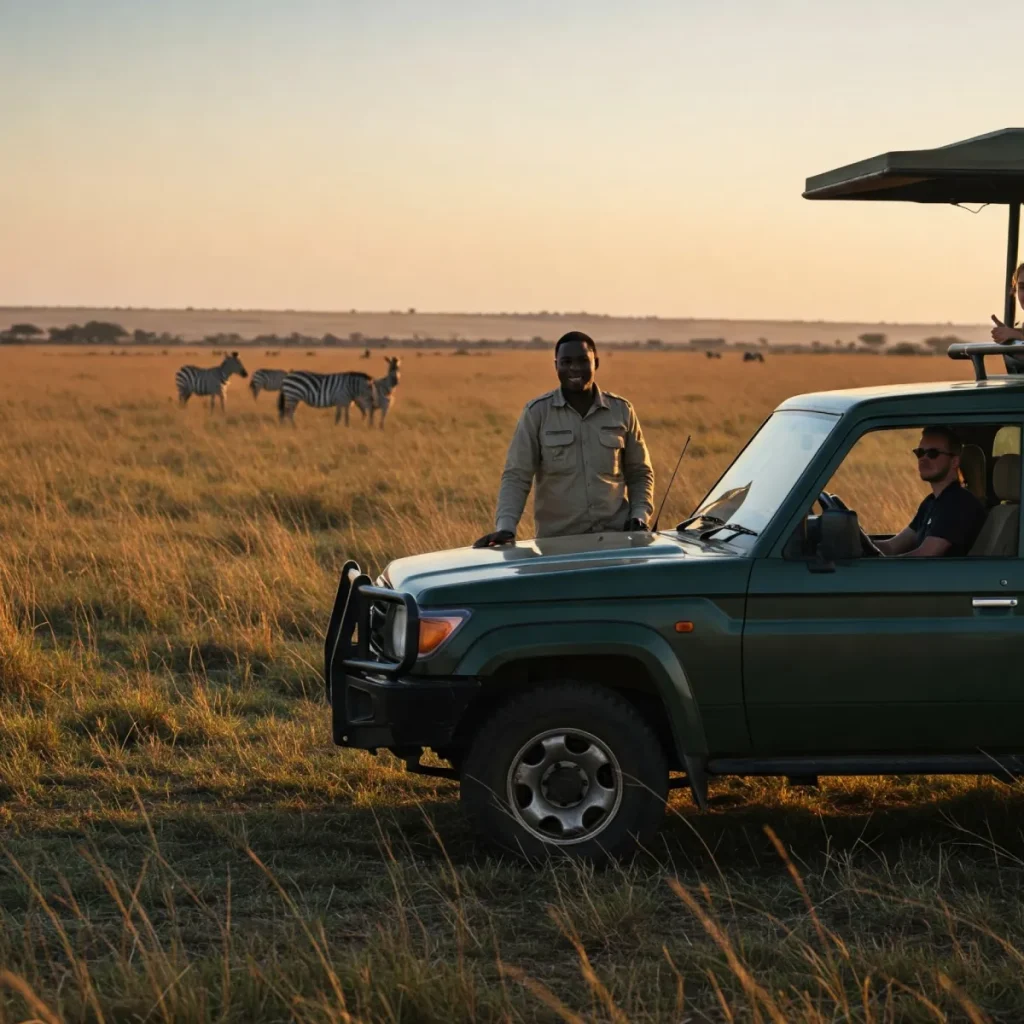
319	390
748	357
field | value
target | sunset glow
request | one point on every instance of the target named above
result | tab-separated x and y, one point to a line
640	159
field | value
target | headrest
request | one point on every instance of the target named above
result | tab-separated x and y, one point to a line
1006	478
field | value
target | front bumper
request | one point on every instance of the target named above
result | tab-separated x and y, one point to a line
369	712
376	702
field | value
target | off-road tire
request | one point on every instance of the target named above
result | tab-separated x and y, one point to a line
578	709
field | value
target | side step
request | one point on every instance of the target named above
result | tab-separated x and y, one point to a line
809	781
432	770
1005	767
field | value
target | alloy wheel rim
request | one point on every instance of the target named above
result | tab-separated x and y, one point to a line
564	786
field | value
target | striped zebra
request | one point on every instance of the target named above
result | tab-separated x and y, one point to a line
382	388
323	390
208	380
266	380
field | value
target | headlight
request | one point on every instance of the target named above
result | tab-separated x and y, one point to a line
399	621
436	629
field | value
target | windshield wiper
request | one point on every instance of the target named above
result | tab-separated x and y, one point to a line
697	518
728	526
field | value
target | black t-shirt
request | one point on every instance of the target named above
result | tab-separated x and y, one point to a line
955	515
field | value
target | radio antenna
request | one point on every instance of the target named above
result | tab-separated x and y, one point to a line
671	480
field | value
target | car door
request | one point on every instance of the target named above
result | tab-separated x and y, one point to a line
885	654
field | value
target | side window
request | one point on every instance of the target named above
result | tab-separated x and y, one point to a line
884	481
878	479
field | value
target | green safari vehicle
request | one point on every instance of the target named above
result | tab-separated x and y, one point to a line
571	682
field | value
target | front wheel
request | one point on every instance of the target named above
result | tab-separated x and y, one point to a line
568	768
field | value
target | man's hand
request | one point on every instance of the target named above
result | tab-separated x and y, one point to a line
1002	333
868	548
493	540
634	525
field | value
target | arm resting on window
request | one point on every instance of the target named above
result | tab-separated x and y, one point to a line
931	547
903	542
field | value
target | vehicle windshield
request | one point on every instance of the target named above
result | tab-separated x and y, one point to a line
757	483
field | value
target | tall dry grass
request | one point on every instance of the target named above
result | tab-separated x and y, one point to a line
182	842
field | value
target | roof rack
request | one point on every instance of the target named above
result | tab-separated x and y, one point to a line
976	352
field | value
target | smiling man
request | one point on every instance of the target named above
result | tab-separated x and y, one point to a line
949	519
584	448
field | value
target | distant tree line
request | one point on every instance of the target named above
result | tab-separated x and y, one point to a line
936	345
103	332
94	332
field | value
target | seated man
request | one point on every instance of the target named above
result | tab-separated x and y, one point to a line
949	519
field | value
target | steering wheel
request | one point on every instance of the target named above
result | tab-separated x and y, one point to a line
833	501
828	501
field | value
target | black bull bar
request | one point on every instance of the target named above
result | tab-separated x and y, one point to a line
347	645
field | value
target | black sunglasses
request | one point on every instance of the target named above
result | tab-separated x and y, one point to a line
928	453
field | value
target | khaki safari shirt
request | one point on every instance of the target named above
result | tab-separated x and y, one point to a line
593	472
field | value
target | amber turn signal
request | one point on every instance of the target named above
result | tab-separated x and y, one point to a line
435	630
684	627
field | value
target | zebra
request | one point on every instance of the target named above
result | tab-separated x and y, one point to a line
382	388
266	380
208	380
322	390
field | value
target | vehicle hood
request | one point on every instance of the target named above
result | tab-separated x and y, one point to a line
552	568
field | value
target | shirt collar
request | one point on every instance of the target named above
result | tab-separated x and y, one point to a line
600	401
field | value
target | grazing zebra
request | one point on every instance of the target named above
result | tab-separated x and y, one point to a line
322	390
266	380
382	388
208	380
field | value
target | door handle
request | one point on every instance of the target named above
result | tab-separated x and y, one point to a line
994	602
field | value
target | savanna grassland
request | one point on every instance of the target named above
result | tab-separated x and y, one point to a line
181	842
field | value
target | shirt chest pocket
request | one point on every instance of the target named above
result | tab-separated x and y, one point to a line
612	442
558	450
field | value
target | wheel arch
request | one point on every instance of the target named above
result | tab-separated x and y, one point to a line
633	660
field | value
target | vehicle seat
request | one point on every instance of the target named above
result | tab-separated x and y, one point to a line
998	537
972	469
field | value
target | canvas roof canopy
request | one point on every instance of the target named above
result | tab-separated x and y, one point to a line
984	169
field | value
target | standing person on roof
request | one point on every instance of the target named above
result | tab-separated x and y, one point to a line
584	448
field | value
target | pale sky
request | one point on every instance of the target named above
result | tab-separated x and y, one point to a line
466	155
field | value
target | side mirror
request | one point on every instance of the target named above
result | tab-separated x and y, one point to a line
839	539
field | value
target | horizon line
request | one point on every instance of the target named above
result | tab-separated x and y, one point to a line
413	311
